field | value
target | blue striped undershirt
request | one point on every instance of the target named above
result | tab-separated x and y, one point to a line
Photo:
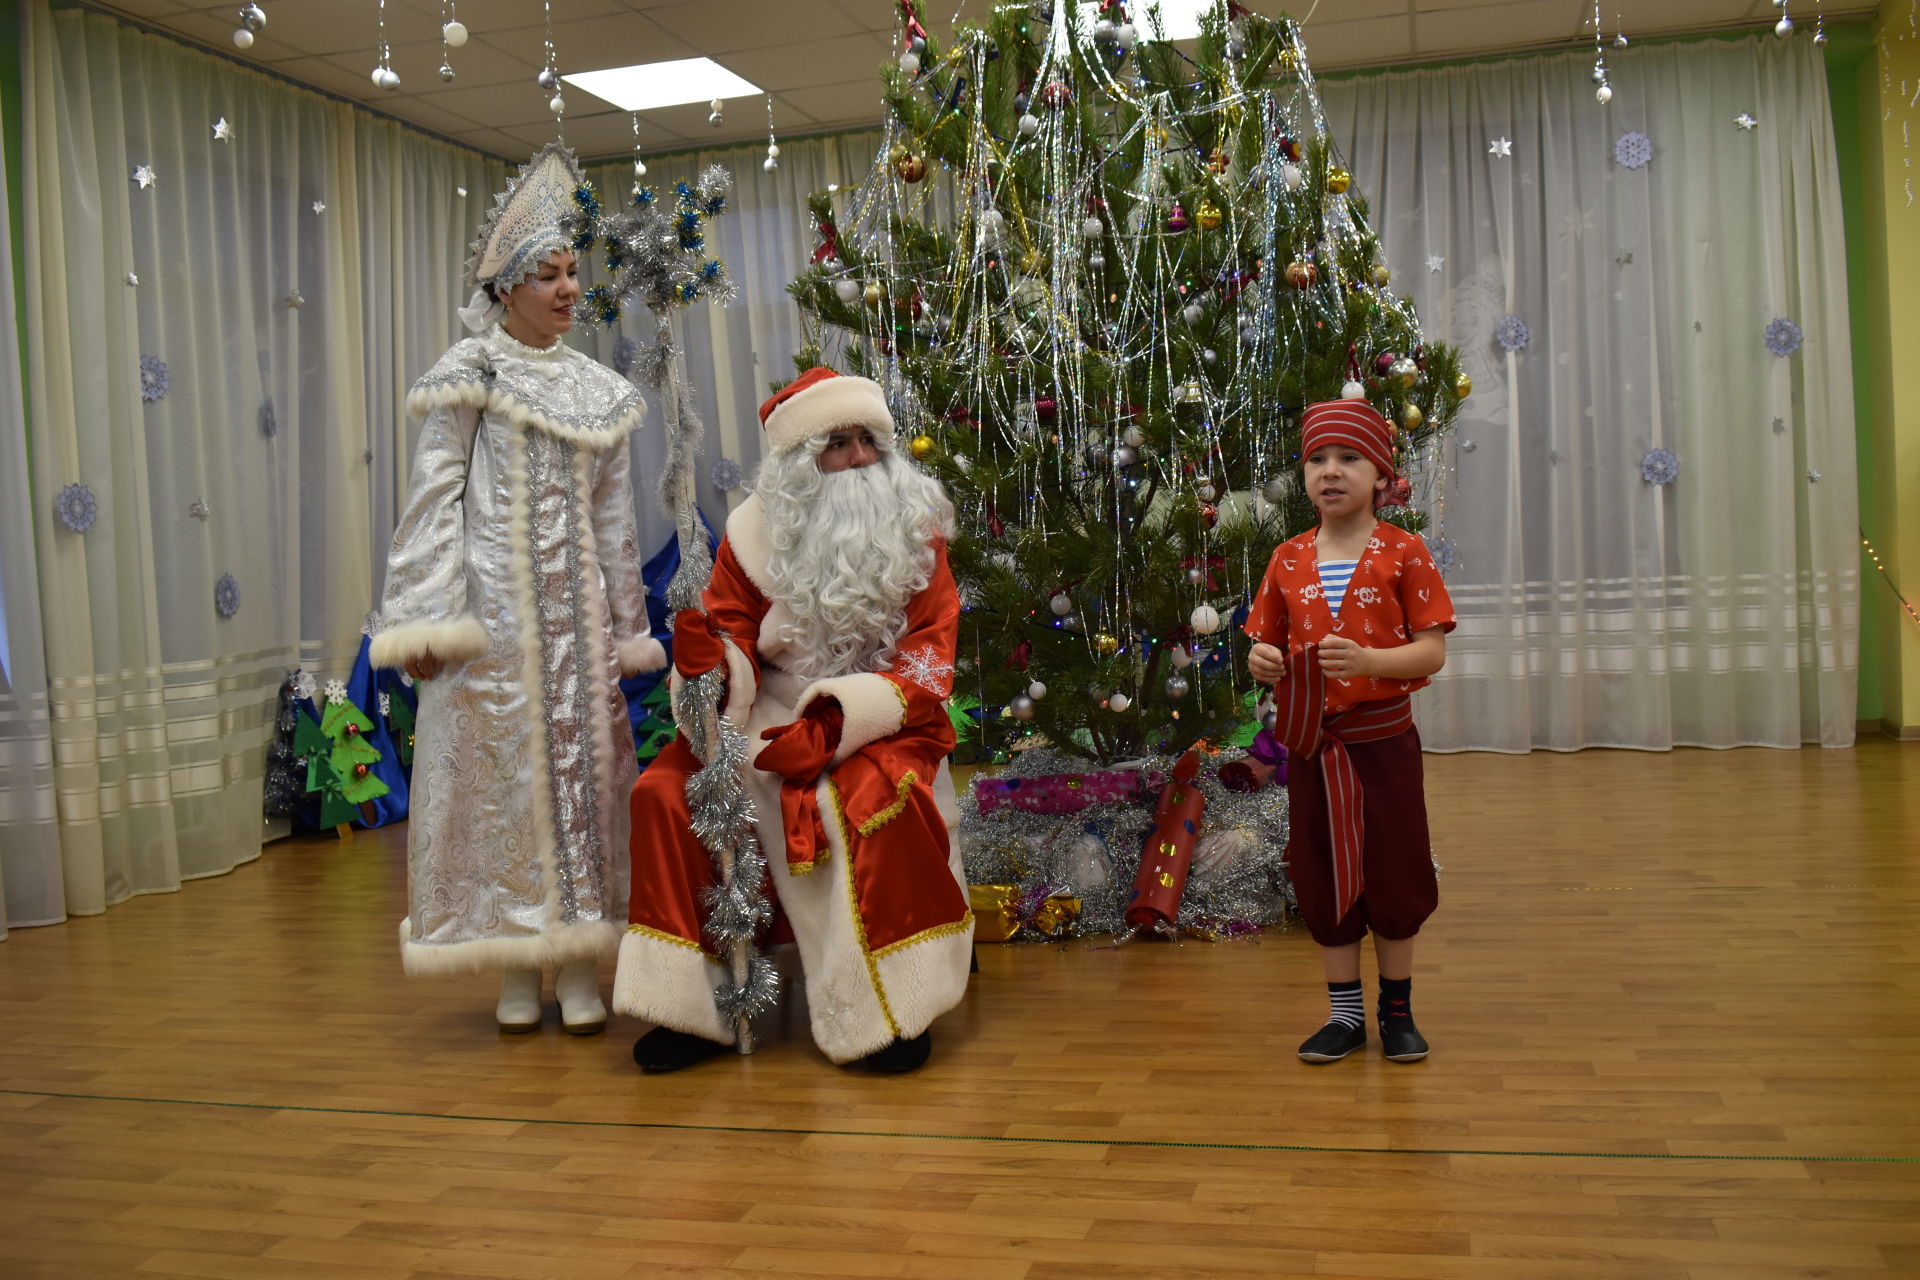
1334	577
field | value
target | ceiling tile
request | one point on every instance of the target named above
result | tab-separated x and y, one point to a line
813	63
1351	44
744	24
853	104
595	44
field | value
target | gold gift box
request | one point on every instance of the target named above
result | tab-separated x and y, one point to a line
996	913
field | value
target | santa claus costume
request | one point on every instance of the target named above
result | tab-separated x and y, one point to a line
834	616
515	568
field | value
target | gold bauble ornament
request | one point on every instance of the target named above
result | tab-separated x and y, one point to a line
1411	417
1462	385
1105	643
896	153
873	293
1338	180
1208	215
922	447
910	167
1301	274
1381	274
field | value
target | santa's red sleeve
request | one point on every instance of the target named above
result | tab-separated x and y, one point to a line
912	691
734	608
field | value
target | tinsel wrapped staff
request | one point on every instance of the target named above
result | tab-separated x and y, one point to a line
656	253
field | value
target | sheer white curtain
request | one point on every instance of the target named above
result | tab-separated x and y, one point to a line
248	268
1598	609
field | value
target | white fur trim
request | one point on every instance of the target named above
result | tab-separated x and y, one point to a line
747	537
669	984
830	403
455	640
640	654
926	977
875	708
423	400
522	414
589	940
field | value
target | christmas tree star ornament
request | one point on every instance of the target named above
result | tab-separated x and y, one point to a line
145	176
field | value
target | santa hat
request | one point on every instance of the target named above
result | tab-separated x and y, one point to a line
1357	424
820	400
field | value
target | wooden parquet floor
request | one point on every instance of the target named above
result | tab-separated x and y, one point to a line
1674	1001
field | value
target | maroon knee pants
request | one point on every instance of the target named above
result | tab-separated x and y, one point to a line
1399	891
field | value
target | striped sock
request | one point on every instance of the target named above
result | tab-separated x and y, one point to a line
1349	1007
1396	998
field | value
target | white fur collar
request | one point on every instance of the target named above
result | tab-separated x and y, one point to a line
752	547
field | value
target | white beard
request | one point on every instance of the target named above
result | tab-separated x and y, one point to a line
848	553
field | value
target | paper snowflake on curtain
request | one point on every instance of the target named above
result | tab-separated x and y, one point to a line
1660	466
336	692
226	595
1512	333
726	475
199	509
76	507
1633	150
1783	337
269	420
624	352
303	685
153	378
1445	554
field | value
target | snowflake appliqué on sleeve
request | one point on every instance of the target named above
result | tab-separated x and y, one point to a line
925	667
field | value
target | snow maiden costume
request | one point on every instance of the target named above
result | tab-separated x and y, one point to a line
515	563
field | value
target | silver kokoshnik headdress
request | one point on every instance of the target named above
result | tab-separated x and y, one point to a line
547	207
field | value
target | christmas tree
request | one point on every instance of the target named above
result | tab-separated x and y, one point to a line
285	784
339	758
1099	323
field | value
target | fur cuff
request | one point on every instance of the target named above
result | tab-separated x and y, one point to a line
640	654
589	940
454	640
669	982
741	687
874	706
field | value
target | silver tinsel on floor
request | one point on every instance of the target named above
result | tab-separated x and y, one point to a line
1238	885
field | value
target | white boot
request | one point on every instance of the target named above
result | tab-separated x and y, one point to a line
577	985
519	1009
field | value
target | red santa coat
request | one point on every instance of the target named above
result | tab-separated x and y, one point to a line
879	913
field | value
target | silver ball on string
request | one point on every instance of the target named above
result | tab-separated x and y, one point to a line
715	110
1603	95
446	71
1196	575
546	79
910	63
1036	691
557	104
1177	687
1784	27
1021	707
253	17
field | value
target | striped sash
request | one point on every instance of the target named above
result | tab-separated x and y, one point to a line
1299	702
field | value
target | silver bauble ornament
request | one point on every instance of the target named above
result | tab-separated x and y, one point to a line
910	63
1196	575
1210	357
1097	262
446	73
546	79
1269	720
1061	604
1133	437
1353	391
1093	228
1206	491
1275	490
253	17
556	104
1177	686
847	290
390	79
1021	707
1105	31
1036	690
1193	313
1603	95
1291	175
1784	27
1119	702
1125	456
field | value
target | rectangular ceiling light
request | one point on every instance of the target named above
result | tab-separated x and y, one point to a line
663	84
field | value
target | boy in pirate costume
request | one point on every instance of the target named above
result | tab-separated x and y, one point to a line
1349	620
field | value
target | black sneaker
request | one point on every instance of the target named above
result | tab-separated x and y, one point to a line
1401	1041
1333	1042
663	1049
901	1056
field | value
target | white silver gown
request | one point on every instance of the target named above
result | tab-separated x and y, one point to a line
516	561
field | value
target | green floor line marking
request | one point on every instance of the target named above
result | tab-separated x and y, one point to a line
1149	1143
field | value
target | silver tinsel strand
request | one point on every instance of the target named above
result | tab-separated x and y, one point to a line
1238	884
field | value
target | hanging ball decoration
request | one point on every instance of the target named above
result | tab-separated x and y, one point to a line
1105	642
1046	408
1057	93
1353	391
243	39
1021	707
873	294
390	79
848	291
1603	95
557	104
1208	215
771	163
1180	656
1093	228
1210	357
910	63
1119	702
1125	456
454	33
1133	437
1384	362
1462	385
1275	491
1301	275
1338	180
360	771
1070	623
1784	27
922	447
1291	175
1269	720
1036	690
1410	416
1177	687
911	168
253	17
1381	274
1196	575
1177	220
1029	125
1204	620
1125	35
1097	262
1193	313
546	79
1105	31
1060	603
446	72
1206	491
715	112
1210	514
1403	372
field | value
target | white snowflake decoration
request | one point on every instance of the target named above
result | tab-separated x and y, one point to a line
1633	150
926	668
386	704
1512	333
1660	467
303	685
336	693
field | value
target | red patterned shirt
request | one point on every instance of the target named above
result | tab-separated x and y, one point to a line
1396	593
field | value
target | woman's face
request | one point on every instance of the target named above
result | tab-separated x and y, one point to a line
540	308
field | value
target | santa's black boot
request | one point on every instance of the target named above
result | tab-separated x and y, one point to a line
664	1049
901	1056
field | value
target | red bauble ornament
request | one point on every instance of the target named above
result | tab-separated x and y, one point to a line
1057	93
1383	363
1046	408
360	771
911	168
353	730
1210	514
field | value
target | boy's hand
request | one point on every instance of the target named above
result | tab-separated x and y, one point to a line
1265	663
1342	659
